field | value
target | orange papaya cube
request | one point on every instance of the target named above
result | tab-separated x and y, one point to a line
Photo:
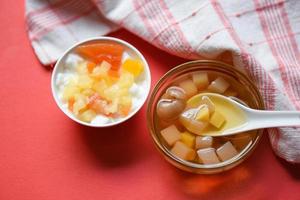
95	49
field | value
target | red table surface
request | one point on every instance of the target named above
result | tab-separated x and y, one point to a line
46	156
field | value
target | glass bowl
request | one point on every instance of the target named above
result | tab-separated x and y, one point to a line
214	67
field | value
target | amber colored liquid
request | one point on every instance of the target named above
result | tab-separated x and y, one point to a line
234	116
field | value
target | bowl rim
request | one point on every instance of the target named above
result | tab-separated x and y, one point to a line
186	165
59	63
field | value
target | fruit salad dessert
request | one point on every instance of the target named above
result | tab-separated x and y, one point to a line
101	82
184	112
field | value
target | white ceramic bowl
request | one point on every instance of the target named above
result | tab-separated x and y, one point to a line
59	68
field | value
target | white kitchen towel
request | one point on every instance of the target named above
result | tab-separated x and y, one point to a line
262	37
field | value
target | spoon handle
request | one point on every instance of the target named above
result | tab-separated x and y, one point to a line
268	119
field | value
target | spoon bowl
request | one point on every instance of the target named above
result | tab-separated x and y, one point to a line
251	118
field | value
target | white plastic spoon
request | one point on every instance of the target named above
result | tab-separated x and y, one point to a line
256	119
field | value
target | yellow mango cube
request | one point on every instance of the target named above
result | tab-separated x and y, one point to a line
133	66
188	139
203	113
170	134
217	119
87	116
183	151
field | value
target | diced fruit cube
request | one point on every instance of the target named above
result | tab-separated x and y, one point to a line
201	80
183	151
125	105
100	87
84	82
98	52
203	113
189	87
226	151
88	92
208	156
211	106
219	85
126	80
80	103
101	71
113	106
114	92
170	134
217	119
188	139
70	91
82	68
187	119
87	116
133	66
203	142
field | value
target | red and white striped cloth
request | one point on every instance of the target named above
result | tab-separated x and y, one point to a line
262	37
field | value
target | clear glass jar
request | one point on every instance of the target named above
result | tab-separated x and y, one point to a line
212	67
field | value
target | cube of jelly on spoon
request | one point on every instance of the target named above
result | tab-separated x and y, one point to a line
226	151
170	134
206	101
208	156
183	151
203	142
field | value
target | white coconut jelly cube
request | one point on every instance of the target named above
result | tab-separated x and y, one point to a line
220	85
226	151
208	156
203	142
